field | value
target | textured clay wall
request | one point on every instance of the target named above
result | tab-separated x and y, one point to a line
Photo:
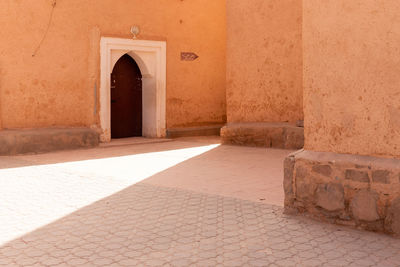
351	76
264	61
56	87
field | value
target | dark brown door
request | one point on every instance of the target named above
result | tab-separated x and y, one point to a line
126	99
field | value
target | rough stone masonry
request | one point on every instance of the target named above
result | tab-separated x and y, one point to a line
263	134
359	191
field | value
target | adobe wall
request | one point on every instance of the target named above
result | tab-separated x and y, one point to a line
264	61
351	76
349	172
56	87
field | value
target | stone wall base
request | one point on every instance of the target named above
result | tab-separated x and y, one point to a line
194	131
276	135
13	142
358	191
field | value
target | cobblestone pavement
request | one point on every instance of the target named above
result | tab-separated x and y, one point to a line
97	211
147	225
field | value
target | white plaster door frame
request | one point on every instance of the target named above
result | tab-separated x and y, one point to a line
151	59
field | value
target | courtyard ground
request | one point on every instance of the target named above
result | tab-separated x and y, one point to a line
184	202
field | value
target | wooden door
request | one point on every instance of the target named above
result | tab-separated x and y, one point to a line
126	99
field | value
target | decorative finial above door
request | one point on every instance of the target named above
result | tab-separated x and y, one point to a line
135	30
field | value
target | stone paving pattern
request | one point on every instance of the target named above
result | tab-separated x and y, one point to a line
148	225
188	202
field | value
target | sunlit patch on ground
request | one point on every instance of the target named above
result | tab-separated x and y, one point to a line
33	196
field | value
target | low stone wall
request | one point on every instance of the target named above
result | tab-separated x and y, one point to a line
359	191
194	131
13	142
277	135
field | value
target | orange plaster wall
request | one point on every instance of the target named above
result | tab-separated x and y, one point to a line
56	87
264	61
352	76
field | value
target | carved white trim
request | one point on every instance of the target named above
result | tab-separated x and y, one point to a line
151	59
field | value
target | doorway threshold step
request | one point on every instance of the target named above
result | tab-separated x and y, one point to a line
133	141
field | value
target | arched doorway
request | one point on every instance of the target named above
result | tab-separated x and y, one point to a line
126	99
151	58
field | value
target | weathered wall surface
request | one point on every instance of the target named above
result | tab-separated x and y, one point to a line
264	61
351	76
56	87
353	190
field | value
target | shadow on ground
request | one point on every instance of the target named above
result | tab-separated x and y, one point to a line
153	226
174	204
